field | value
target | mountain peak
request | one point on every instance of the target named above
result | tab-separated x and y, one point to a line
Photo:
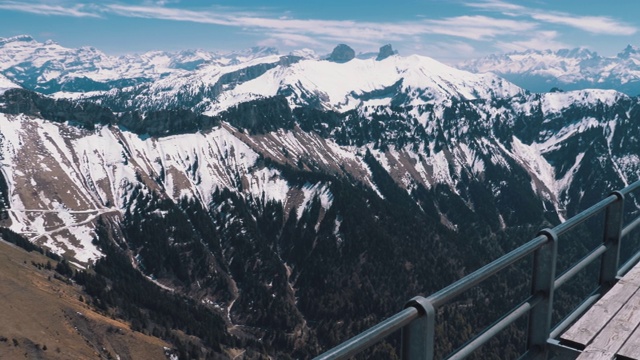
577	53
264	50
18	38
628	51
385	52
304	53
342	54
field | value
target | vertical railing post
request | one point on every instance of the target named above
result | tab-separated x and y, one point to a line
418	338
544	274
612	234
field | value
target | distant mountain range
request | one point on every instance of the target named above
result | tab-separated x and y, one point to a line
297	199
49	67
541	71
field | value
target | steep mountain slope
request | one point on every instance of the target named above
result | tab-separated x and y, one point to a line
46	317
566	69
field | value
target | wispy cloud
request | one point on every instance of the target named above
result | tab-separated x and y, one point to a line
594	24
468	27
165	13
79	10
496	5
290	40
477	27
540	40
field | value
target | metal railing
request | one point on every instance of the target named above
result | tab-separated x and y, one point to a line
417	320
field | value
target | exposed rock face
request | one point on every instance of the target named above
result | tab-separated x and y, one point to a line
342	54
385	52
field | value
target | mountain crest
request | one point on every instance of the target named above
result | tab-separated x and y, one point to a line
629	51
18	38
342	54
385	52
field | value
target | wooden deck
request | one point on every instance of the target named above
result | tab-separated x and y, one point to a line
610	328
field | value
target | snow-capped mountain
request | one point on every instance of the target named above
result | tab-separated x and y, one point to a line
574	69
547	138
50	68
210	83
414	80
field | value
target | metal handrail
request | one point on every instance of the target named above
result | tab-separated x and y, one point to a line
417	320
450	292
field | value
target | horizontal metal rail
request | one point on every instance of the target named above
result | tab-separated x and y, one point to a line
494	329
630	188
577	267
368	338
450	292
632	225
609	249
585	215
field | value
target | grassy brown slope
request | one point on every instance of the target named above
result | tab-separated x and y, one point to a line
42	317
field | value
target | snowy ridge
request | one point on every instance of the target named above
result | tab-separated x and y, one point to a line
82	175
196	79
95	172
358	83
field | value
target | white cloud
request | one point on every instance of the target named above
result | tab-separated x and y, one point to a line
47	9
541	40
164	13
450	52
496	5
467	27
478	27
289	40
592	24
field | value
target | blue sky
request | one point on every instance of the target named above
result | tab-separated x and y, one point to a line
449	31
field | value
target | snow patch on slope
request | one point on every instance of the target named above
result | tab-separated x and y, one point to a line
556	102
313	191
6	84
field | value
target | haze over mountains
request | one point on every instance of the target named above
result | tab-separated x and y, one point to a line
567	69
298	199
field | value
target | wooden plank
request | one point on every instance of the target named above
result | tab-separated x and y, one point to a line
631	348
633	276
620	328
596	354
597	317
